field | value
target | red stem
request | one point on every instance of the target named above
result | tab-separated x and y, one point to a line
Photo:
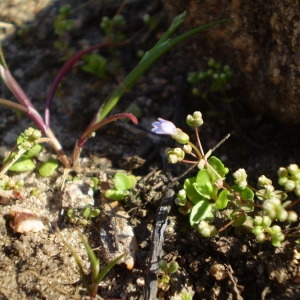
92	128
67	66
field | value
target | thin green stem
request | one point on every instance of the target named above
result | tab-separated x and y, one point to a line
198	140
200	156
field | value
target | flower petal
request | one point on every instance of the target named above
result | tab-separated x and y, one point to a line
163	127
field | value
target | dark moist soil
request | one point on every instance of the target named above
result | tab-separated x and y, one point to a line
38	265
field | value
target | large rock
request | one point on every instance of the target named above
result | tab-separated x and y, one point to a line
261	43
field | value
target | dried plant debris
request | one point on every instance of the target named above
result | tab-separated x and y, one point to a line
24	220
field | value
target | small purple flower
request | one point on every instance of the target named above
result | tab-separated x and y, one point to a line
164	127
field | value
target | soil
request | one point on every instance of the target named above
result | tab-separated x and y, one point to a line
38	265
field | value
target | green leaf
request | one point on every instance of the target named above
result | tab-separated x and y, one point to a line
86	212
34	151
246	193
116	194
108	268
247	196
218	166
132	181
222	200
201	211
203	184
95	262
124	182
23	165
162	46
95	212
95	64
238	217
173	267
47	168
191	193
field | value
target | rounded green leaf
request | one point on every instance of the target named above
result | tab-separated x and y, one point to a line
34	151
47	168
116	194
122	182
203	184
222	200
132	181
218	166
22	165
201	211
173	267
246	193
191	192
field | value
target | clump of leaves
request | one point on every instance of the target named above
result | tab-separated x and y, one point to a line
166	270
83	216
113	28
23	157
95	64
7	183
264	211
216	78
63	25
123	183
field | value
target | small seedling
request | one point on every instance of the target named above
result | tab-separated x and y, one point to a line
259	210
23	156
95	64
83	216
167	269
62	27
113	27
92	279
217	77
122	185
7	183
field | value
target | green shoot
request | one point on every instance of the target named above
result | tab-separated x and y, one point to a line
92	279
122	185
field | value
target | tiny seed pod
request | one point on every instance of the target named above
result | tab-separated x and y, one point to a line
261	237
293	168
292	216
289	185
282	172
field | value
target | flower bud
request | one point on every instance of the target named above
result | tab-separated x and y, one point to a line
266	221
289	185
282	180
175	155
26	145
263	181
181	194
180	136
195	120
293	168
282	172
281	214
187	148
240	178
292	216
257	221
261	237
